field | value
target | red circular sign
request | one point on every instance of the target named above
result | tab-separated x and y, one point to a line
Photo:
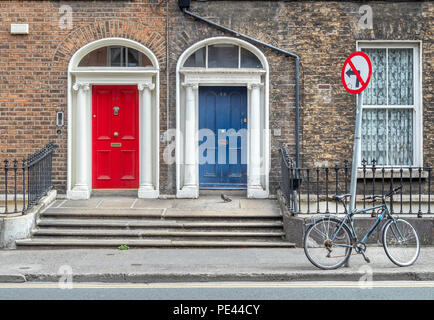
356	72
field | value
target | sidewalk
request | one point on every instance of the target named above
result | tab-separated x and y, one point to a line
185	265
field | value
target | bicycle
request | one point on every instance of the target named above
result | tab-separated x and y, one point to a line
329	241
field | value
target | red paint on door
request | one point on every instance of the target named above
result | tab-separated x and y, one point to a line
115	137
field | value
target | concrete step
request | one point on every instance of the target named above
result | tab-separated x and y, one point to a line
134	243
123	223
102	213
151	233
158	213
105	225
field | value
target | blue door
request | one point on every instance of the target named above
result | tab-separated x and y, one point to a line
223	137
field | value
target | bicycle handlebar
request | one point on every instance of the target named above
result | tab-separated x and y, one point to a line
375	197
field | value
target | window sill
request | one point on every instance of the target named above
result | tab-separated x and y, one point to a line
388	173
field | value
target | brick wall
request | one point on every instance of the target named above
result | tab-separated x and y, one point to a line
323	34
33	68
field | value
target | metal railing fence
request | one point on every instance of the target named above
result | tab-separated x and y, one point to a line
25	183
310	190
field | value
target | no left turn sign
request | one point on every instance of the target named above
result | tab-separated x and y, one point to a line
356	72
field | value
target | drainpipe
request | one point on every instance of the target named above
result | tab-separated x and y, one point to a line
184	5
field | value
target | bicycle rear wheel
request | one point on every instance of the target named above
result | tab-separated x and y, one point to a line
401	242
324	246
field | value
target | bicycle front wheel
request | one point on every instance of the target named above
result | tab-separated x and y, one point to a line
326	244
401	242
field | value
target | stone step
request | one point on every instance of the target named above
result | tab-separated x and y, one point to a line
122	223
107	225
102	213
239	213
134	243
151	233
158	213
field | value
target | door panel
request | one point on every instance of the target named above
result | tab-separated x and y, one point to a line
223	110
103	172
129	118
103	98
115	137
209	170
128	172
237	114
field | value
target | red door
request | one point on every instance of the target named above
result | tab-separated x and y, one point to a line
115	128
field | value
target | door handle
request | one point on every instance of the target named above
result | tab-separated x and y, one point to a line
115	111
116	134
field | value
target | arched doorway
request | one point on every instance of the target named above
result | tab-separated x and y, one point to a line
113	119
222	91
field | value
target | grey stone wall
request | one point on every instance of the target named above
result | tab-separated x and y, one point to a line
323	34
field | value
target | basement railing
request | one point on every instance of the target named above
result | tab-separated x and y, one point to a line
310	190
23	184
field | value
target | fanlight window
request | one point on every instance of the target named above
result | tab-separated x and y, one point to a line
223	56
115	56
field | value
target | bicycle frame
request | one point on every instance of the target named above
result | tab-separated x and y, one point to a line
332	232
349	217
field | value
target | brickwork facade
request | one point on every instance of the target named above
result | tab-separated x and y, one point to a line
323	34
33	68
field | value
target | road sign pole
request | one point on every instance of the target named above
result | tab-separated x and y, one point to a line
356	151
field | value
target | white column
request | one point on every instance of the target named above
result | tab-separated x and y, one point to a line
190	188
254	186
81	189
146	189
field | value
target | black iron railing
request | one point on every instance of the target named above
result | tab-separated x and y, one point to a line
25	183
310	190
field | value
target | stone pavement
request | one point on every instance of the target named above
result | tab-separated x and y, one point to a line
211	202
184	265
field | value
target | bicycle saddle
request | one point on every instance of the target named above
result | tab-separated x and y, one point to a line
338	197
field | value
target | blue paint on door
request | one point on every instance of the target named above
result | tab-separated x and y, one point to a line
223	143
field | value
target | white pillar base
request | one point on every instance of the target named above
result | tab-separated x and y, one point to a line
79	193
189	192
190	175
148	192
256	192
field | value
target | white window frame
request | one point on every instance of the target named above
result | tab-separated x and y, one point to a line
212	68
124	57
417	93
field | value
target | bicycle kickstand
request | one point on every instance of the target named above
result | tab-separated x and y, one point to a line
364	256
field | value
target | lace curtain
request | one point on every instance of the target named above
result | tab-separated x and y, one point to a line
400	76
376	92
387	132
400	131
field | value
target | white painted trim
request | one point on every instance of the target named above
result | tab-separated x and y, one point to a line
113	71
416	45
120	76
83	51
228	77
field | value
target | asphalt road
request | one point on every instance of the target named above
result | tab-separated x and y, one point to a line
419	290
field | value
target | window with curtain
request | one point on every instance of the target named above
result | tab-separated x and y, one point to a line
389	108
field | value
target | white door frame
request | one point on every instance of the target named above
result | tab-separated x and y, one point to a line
188	81
80	81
